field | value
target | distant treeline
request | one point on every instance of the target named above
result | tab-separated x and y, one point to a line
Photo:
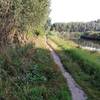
77	26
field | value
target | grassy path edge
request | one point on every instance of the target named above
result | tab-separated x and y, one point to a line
75	89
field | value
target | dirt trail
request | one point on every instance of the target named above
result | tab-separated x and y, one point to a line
76	91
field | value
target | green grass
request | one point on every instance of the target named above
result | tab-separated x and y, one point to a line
29	73
83	65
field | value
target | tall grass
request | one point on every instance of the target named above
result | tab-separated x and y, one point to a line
29	73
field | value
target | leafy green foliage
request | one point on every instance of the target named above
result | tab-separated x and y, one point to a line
21	16
31	13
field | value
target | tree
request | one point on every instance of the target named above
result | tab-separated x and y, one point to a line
48	24
20	16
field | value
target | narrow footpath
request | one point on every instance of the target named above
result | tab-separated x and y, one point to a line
76	91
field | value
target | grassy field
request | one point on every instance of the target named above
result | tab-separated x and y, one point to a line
29	73
83	65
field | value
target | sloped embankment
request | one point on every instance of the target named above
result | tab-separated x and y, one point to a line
29	73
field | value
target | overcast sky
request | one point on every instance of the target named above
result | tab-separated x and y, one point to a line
74	10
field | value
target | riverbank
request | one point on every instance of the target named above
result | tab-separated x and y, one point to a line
82	64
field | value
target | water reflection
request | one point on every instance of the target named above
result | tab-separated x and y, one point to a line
89	45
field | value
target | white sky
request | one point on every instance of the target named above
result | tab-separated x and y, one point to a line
74	10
